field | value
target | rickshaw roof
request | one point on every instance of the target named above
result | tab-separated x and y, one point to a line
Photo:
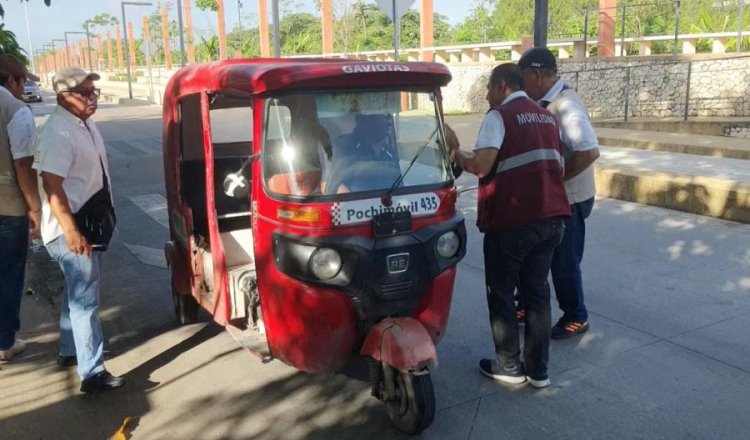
262	75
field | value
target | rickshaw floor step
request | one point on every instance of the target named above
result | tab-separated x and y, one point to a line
251	340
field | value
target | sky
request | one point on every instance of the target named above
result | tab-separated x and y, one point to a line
46	23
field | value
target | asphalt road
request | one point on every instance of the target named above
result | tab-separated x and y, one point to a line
667	356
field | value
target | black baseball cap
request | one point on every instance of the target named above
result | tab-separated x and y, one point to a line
538	58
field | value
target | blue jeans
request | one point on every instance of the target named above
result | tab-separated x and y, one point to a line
80	328
566	263
14	246
521	257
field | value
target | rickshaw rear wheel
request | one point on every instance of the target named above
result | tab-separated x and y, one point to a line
412	407
185	306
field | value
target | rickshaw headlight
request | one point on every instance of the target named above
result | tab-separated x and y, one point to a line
448	244
325	263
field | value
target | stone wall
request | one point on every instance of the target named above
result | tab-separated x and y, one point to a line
740	132
649	86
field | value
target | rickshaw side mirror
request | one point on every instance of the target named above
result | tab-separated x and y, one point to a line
235	184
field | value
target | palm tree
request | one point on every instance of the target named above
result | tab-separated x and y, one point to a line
9	45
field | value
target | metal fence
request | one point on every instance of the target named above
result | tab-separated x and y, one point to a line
681	88
636	19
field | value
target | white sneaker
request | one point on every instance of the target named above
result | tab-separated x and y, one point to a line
538	383
18	347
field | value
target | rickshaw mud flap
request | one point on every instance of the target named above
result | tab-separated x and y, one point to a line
403	343
250	340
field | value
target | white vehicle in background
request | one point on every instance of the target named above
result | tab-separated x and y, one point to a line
31	92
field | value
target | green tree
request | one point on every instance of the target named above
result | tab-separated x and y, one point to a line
361	26
9	45
208	49
103	20
410	29
300	33
207	5
173	30
477	26
8	42
514	19
246	40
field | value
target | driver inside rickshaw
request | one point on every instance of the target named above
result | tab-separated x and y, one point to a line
371	140
366	158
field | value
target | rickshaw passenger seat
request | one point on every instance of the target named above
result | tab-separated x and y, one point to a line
307	182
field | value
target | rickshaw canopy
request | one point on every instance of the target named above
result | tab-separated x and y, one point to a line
263	75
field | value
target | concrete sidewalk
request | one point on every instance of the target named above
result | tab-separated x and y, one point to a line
685	143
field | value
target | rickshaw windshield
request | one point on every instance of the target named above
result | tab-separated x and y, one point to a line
333	143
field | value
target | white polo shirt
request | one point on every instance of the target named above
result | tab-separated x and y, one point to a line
492	131
67	148
21	130
577	134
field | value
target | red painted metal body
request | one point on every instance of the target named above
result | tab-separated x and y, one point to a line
402	343
311	327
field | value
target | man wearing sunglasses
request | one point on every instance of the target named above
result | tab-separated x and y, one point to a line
72	162
20	208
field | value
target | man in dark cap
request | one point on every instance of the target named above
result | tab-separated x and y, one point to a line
20	208
543	84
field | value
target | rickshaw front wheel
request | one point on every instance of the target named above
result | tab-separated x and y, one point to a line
411	407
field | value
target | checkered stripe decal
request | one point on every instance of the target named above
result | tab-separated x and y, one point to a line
336	214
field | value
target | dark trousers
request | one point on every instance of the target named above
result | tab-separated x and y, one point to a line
566	263
14	245
521	257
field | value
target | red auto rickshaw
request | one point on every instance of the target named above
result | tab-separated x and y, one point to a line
312	212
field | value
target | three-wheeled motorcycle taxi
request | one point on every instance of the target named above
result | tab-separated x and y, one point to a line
312	212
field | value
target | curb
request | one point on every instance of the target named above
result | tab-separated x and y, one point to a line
124	100
698	126
719	198
701	150
133	102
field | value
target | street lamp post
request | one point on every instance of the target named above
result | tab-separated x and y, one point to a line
88	39
239	24
586	33
276	33
66	47
54	58
37	54
182	36
239	15
622	30
67	55
676	25
739	26
125	31
541	17
28	33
